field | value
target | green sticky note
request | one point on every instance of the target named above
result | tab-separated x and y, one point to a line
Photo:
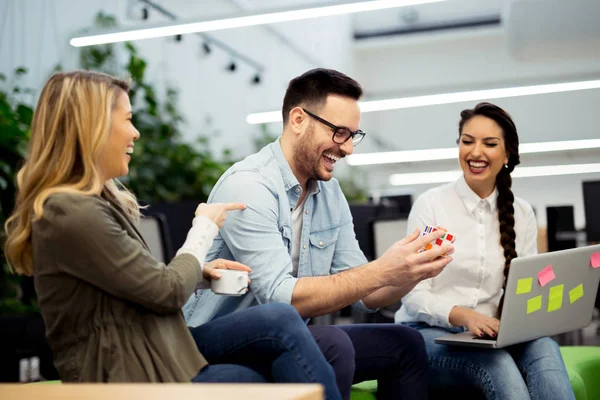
524	285
555	298
576	293
534	304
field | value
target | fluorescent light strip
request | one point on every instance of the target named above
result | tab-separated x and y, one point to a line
423	178
406	156
248	20
447	98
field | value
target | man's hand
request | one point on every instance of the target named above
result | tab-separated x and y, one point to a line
402	265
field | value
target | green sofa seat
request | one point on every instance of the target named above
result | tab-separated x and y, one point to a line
583	367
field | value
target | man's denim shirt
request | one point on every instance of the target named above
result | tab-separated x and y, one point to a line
261	235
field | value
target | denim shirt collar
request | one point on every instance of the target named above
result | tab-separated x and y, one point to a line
289	179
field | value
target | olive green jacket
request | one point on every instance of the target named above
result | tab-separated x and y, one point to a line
112	312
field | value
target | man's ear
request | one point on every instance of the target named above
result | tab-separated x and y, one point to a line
297	120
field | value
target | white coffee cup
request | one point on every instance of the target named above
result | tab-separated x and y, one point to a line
232	282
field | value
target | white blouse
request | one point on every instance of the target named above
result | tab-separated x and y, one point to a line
475	276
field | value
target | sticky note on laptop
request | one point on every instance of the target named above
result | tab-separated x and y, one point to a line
534	304
595	260
576	293
524	285
546	275
555	298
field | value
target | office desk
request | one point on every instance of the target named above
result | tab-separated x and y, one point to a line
180	391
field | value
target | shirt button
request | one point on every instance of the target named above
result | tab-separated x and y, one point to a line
306	212
297	190
304	247
321	243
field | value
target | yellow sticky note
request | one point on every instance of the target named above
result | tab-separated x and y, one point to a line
534	304
576	293
524	285
555	298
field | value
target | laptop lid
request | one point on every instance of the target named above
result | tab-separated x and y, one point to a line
548	294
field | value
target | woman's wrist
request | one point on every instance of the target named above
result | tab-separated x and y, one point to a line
457	316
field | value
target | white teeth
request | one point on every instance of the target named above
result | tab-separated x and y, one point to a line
478	164
331	157
129	150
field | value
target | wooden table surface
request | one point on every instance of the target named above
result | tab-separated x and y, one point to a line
165	391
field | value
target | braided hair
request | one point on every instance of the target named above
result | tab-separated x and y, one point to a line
505	201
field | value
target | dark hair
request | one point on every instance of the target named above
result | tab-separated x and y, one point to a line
506	210
312	88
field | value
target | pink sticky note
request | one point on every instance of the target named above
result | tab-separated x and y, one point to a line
595	260
546	275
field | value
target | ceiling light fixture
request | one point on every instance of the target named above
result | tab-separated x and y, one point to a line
407	156
422	178
243	21
447	98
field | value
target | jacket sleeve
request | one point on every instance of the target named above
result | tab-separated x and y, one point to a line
88	242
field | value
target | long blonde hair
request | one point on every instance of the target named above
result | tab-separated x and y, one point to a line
71	124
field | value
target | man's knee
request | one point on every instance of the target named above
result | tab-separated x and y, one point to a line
336	346
333	342
404	343
406	337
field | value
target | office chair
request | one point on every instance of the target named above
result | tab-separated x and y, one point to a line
154	230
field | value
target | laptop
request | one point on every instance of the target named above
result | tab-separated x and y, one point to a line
563	303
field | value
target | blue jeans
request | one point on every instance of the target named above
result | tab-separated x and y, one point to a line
394	355
531	370
263	343
227	373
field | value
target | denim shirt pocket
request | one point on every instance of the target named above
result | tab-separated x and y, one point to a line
322	248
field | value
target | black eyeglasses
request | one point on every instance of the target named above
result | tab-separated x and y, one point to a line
340	135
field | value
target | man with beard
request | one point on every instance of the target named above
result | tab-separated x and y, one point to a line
297	236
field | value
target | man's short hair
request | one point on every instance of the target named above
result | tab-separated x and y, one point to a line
311	89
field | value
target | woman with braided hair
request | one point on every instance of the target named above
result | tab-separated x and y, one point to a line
491	227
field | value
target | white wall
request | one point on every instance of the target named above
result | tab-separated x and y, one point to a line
469	60
206	88
35	33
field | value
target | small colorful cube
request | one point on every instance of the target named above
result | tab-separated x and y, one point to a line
448	237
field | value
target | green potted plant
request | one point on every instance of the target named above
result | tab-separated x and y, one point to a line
21	326
16	293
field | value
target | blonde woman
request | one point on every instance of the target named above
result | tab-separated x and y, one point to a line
112	312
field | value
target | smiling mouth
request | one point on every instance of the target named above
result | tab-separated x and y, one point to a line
330	159
477	167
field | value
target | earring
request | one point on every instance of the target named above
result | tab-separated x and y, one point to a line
506	165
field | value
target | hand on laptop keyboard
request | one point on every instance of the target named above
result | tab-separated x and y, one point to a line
477	323
484	337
